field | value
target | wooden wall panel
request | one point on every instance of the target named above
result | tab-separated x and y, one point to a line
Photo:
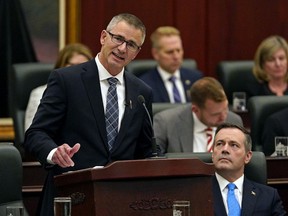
212	31
190	19
235	28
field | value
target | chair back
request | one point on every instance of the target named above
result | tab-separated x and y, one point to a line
11	173
138	67
259	108
234	75
23	78
255	170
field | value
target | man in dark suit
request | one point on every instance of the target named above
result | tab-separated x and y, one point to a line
184	128
275	125
69	129
231	151
168	51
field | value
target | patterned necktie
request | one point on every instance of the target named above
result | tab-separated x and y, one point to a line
112	112
209	134
233	205
176	93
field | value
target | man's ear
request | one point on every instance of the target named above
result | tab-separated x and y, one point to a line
103	37
195	108
248	157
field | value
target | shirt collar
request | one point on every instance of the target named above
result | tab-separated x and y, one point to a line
199	127
104	74
223	182
165	75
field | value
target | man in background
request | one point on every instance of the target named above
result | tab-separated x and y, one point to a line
170	82
191	127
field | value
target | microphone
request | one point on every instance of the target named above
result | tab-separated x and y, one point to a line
141	99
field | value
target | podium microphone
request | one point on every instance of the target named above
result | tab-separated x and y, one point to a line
141	99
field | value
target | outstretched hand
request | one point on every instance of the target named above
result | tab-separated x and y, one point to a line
63	155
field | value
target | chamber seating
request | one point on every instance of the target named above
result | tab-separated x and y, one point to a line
235	76
259	108
255	170
11	174
140	66
23	78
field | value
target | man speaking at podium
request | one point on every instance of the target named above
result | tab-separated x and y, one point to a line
90	114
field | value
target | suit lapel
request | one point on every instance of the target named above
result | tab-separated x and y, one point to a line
185	134
219	208
186	83
250	196
90	78
161	89
131	97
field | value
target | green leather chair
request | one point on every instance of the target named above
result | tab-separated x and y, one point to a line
255	170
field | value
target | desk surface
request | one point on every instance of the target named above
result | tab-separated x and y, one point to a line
6	129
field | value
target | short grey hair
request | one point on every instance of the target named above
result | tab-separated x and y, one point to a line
129	19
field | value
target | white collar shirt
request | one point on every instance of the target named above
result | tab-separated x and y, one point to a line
103	76
169	86
224	190
199	136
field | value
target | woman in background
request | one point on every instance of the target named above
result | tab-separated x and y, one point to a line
71	54
270	67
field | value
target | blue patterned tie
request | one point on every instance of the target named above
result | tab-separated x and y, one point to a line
176	93
112	112
233	205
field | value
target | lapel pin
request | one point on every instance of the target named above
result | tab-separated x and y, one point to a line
253	193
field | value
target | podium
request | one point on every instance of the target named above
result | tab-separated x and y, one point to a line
139	187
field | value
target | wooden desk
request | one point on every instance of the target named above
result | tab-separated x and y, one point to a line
139	187
6	130
33	179
34	176
277	171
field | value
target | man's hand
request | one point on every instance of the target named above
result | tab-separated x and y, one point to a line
63	155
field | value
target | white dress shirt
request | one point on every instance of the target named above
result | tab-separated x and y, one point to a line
224	190
169	86
199	136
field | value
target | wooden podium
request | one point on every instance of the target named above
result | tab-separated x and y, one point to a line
139	187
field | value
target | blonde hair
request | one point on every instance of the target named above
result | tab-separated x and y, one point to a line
69	50
163	31
264	51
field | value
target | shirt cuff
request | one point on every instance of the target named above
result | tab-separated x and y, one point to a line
50	155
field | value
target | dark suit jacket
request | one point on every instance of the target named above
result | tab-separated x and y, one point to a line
71	111
160	94
257	200
275	125
258	89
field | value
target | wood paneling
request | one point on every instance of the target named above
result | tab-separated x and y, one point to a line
212	31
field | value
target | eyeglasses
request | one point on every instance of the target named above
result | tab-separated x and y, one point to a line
120	40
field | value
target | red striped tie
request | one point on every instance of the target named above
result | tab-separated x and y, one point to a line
209	139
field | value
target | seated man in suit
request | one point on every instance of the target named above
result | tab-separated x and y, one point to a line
190	128
170	82
275	125
233	193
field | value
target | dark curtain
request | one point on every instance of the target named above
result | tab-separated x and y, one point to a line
15	46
